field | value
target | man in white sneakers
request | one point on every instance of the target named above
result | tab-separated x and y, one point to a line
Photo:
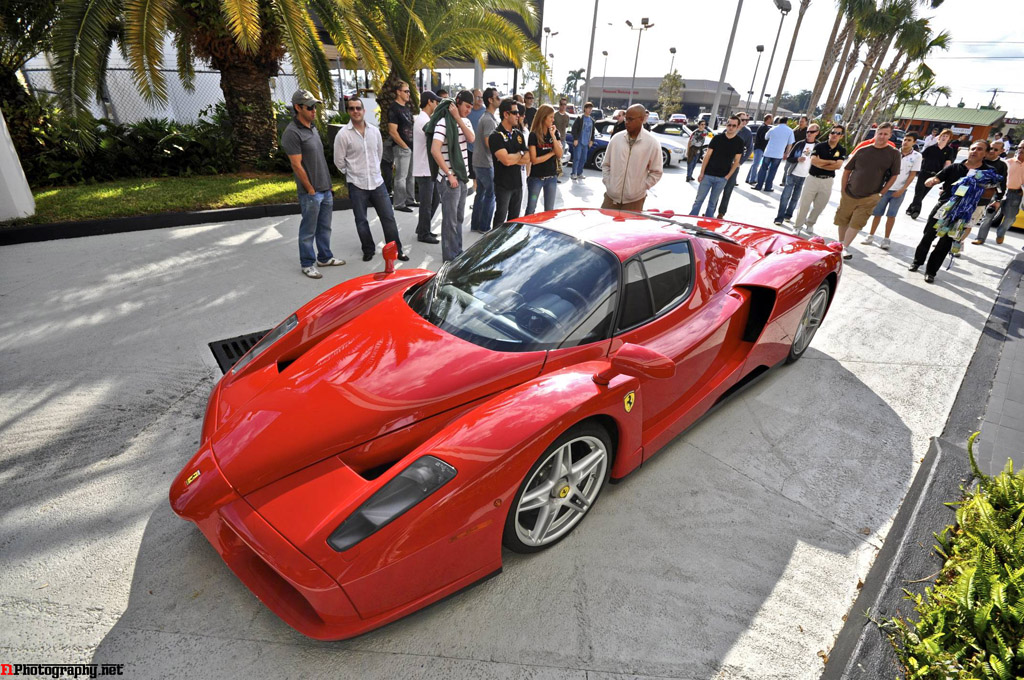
891	200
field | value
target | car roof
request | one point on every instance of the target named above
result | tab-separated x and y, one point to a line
624	234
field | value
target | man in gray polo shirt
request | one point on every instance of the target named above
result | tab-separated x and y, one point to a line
301	141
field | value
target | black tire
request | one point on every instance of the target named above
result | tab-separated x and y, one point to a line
814	314
666	158
564	507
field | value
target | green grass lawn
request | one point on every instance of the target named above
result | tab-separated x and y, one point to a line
128	197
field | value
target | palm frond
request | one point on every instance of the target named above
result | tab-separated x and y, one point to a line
145	24
78	46
297	32
243	19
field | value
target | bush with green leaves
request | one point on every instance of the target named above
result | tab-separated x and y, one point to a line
51	155
971	622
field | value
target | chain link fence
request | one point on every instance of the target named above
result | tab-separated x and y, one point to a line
121	102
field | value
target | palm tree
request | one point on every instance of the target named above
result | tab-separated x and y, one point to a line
572	82
856	11
880	27
417	33
789	57
243	39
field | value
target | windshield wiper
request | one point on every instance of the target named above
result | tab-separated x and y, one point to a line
437	284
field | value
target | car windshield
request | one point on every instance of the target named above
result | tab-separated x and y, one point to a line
523	288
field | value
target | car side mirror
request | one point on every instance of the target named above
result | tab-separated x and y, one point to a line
637	361
390	253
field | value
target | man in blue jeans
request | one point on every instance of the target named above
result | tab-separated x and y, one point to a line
301	142
760	142
357	151
721	161
780	141
582	141
800	158
483	163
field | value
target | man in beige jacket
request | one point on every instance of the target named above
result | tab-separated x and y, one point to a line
632	164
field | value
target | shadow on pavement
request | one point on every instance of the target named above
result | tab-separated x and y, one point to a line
794	475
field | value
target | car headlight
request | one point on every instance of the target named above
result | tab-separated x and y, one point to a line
425	476
266	341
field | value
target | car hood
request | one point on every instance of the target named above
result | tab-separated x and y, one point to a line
384	370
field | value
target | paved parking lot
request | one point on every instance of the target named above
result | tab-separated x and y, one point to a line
735	553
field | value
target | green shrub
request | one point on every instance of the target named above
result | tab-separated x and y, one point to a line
972	621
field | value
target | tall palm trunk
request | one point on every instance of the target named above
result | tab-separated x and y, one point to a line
834	41
884	90
246	87
789	57
847	64
881	48
850	112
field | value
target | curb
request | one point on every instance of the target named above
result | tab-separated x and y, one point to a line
862	651
32	233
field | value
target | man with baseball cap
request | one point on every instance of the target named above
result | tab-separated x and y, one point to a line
427	192
301	142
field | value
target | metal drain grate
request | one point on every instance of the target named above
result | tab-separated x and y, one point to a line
229	351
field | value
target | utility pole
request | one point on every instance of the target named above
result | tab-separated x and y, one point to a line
590	57
994	91
725	67
644	25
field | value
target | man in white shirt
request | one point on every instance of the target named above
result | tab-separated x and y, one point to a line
632	164
426	188
889	203
932	138
357	152
453	187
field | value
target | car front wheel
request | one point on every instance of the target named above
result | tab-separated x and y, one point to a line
599	159
666	158
559	489
809	322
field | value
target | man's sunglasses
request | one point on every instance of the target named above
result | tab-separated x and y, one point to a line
310	107
835	132
353	108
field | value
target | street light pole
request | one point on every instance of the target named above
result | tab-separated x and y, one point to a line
725	67
784	7
644	25
590	56
547	36
750	92
672	65
604	77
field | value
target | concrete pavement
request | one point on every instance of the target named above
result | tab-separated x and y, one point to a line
735	553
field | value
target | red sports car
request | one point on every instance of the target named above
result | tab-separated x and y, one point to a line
374	452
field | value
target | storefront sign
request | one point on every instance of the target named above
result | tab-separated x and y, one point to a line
960	130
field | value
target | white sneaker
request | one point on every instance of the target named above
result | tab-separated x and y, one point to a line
885	244
312	272
869	240
333	262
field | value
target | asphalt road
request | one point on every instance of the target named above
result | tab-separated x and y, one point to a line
735	553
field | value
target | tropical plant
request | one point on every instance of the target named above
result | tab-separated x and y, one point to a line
789	56
243	39
25	29
971	622
414	34
573	81
880	28
856	11
670	94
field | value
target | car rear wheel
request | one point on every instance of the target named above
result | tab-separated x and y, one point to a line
809	322
559	489
666	158
599	159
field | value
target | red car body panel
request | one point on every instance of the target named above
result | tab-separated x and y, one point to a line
298	439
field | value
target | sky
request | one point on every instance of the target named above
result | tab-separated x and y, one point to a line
987	50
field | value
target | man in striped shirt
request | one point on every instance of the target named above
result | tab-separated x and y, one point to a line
453	187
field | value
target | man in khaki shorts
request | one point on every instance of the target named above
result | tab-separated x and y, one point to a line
864	180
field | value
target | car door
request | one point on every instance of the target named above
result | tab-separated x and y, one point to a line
667	308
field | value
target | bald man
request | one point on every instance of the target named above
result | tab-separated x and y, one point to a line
632	164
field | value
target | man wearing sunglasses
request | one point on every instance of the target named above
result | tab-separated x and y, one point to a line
826	158
357	152
400	133
301	142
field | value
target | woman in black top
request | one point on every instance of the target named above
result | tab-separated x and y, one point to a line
545	152
933	159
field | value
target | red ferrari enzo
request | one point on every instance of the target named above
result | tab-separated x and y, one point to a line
374	452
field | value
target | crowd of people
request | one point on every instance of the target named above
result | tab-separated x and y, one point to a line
511	153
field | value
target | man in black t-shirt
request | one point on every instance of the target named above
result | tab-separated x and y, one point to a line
400	132
826	158
934	158
720	162
508	147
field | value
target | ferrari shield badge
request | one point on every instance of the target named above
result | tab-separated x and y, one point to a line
629	401
195	475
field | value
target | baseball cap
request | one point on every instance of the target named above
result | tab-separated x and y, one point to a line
464	97
305	98
429	96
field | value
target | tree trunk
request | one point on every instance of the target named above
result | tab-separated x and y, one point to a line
876	66
845	63
827	63
246	88
850	112
789	56
883	91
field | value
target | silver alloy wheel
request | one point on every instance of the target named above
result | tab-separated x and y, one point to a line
561	491
666	158
810	321
599	159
